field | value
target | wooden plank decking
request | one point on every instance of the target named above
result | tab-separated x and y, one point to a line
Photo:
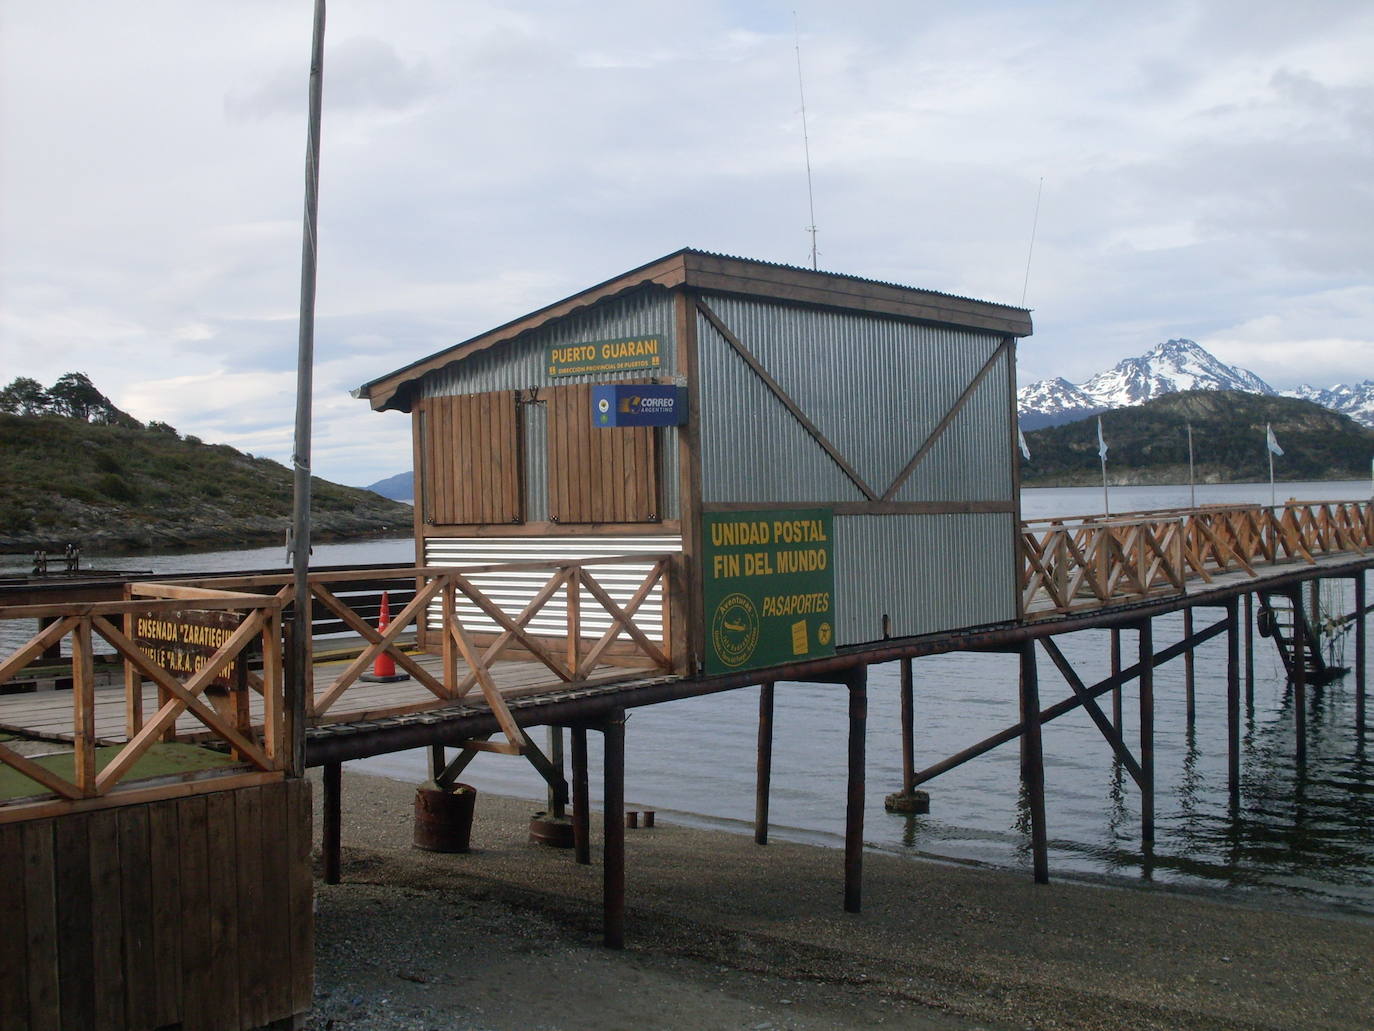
48	714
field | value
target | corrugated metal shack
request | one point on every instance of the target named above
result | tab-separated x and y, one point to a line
839	465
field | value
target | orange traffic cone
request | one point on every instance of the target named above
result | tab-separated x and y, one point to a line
384	666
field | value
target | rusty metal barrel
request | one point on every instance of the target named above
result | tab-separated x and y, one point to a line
554	831
443	817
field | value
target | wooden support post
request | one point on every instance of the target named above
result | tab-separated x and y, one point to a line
1233	702
1249	651
764	773
1147	737
908	730
332	818
557	803
857	682
83	708
581	800
437	761
1116	671
1189	696
1299	677
1033	762
613	831
133	677
1314	602
1359	652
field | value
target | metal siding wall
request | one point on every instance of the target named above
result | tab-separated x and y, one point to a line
972	459
875	387
520	365
928	573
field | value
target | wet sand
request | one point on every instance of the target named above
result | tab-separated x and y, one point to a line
721	933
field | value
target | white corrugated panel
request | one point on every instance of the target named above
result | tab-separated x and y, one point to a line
513	590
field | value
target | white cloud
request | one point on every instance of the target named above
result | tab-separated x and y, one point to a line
1206	173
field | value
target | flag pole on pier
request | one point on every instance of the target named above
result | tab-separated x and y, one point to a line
1272	443
1102	454
1192	490
299	543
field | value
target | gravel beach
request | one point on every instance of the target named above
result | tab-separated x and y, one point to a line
721	933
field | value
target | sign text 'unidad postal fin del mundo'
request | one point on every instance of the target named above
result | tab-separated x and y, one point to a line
769	587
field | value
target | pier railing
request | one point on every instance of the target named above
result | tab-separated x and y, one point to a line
1068	566
212	648
193	645
569	616
1085	562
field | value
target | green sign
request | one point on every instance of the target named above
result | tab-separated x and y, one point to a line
769	587
602	356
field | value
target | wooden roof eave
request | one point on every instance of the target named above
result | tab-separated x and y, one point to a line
712	273
386	393
717	274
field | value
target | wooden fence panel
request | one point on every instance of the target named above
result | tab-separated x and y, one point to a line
106	921
72	876
164	873
136	894
40	916
14	982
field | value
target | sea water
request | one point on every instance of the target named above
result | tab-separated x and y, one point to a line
1302	834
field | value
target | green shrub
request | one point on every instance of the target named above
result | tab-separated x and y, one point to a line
115	487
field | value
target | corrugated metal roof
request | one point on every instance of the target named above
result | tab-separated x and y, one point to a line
845	275
726	274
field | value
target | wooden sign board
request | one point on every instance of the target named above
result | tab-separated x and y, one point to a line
182	641
603	356
769	587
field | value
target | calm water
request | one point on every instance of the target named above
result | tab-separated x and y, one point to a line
1300	835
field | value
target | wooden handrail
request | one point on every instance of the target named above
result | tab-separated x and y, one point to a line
1077	562
261	747
587	608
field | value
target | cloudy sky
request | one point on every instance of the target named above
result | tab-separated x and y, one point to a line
1208	172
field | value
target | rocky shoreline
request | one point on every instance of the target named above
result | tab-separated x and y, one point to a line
114	537
721	933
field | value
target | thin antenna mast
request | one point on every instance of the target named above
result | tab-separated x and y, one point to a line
806	143
1025	283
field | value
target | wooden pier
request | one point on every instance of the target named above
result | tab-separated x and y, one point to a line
481	670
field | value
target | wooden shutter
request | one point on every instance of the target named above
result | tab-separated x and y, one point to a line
471	458
598	475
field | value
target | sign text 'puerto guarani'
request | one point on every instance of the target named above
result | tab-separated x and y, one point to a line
769	587
602	356
181	642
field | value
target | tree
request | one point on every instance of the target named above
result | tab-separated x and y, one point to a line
74	395
24	396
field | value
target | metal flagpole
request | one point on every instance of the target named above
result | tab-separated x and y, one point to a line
1271	444
298	676
1102	454
1192	490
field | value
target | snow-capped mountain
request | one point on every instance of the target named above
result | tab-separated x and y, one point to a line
1165	369
1355	400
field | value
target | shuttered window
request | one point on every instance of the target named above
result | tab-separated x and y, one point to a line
598	474
471	459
